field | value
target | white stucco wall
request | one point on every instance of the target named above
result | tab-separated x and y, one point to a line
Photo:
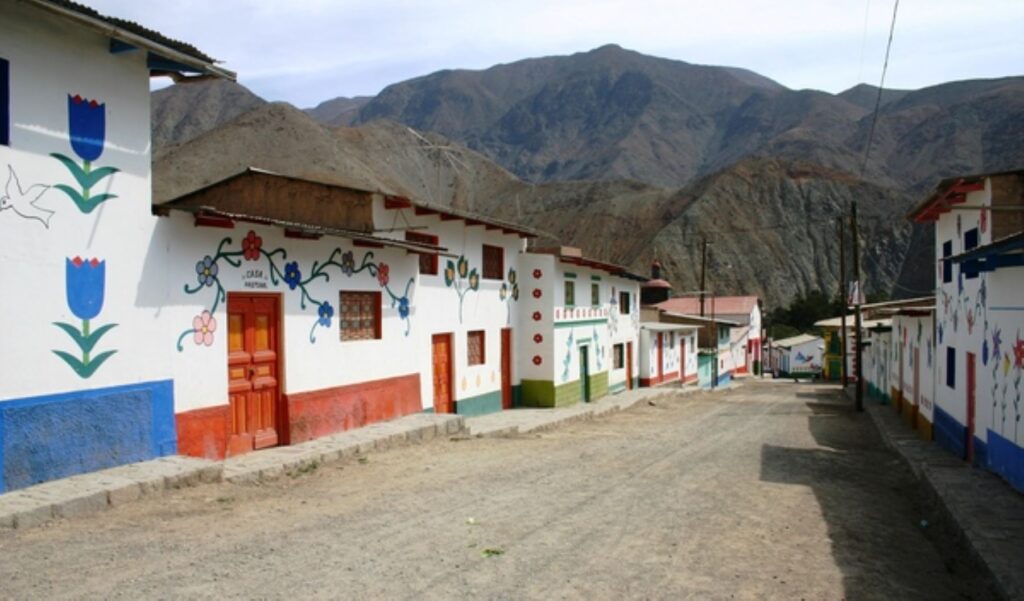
983	316
48	62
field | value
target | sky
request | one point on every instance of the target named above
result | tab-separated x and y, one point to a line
308	51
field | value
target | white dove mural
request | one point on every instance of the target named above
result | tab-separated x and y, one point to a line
23	202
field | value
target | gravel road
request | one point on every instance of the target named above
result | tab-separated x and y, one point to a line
767	491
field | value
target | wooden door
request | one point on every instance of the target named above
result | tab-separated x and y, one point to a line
584	375
971	399
441	345
506	368
253	365
629	366
661	357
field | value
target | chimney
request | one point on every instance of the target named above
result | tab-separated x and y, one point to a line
656	270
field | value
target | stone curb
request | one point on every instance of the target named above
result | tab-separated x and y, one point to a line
84	494
954	486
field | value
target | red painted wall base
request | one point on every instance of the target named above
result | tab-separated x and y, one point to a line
669	377
322	412
204	432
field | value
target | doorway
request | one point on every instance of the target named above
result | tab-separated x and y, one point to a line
584	374
441	346
506	368
629	366
253	368
971	401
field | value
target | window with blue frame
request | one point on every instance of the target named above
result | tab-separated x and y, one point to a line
950	367
947	266
970	242
5	102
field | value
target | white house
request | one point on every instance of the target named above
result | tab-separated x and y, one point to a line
579	331
979	318
913	367
800	356
668	348
299	309
88	381
744	343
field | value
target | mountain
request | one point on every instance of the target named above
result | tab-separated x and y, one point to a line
189	109
338	111
616	114
633	158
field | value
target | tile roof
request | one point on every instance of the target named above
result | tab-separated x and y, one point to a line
724	305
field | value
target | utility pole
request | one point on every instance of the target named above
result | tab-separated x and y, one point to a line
842	299
703	267
858	366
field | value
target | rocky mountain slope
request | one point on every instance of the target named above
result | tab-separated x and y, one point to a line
630	157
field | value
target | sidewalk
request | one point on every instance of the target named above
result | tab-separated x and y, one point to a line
89	493
982	509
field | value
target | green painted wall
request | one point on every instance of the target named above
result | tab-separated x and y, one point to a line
598	386
544	393
489	402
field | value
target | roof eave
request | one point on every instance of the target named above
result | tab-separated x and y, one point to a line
134	39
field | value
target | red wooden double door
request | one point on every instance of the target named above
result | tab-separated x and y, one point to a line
253	372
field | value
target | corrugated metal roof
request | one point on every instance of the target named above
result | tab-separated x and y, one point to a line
795	340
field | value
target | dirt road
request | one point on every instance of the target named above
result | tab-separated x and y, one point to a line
767	491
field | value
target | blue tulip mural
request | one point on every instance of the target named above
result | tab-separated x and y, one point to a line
87	127
85	281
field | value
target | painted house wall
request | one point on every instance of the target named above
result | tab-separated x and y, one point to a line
802	358
452	305
556	331
915	338
745	341
116	407
673	343
876	364
983	316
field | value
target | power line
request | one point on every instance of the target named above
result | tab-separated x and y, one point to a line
881	87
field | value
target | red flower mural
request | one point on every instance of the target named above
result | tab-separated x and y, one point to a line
251	245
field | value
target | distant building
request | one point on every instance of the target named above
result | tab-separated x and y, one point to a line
799	356
744	354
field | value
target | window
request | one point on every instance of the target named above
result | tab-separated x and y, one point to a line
570	293
595	294
951	367
359	315
970	242
5	102
494	262
428	263
618	356
475	347
624	303
671	340
947	266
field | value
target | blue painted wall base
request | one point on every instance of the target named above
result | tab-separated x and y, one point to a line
1006	459
949	433
54	436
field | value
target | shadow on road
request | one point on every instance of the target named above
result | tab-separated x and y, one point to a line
868	501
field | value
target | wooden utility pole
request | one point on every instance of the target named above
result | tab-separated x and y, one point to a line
858	293
842	299
703	268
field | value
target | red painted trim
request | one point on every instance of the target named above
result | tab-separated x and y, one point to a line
656	380
366	244
690	379
202	219
740	370
322	412
204	432
396	202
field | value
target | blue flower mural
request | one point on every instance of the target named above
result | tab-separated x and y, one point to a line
84	283
87	131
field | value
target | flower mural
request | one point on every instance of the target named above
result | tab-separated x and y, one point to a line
87	129
84	283
204	325
459	276
291	274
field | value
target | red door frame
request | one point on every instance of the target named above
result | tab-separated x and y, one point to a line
971	403
448	405
661	359
629	366
506	368
253	438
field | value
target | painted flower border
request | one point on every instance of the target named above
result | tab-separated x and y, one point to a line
281	270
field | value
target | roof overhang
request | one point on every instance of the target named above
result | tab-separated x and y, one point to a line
446	213
161	58
696	319
667	327
1007	252
573	256
208	216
